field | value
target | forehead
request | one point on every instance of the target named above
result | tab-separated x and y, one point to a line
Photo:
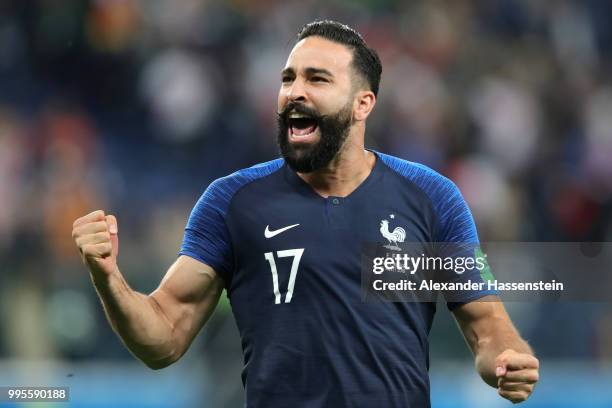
317	52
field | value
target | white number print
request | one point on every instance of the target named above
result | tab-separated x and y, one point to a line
297	255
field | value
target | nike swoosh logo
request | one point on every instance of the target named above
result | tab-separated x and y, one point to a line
270	234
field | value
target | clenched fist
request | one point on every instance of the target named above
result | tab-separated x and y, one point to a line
517	374
95	234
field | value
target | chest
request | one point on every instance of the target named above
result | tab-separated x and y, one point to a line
283	241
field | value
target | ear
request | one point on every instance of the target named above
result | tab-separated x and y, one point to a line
363	105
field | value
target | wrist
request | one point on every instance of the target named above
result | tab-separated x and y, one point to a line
485	366
102	279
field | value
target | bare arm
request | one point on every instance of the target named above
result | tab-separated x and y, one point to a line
157	328
503	359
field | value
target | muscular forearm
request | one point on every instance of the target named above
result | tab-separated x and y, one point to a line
503	359
137	319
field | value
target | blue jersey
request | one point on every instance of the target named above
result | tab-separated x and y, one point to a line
291	263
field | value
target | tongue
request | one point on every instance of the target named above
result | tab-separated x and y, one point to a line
301	132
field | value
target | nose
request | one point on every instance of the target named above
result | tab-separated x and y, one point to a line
296	92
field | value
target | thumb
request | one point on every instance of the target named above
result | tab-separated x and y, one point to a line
113	228
500	370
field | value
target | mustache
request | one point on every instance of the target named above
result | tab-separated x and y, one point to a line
299	108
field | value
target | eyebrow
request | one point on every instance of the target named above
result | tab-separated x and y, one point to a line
309	71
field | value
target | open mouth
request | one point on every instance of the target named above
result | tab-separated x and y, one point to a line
301	126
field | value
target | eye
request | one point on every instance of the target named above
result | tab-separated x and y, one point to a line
318	79
286	78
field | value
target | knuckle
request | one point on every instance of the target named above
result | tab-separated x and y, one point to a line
96	226
87	250
105	227
536	362
106	249
94	216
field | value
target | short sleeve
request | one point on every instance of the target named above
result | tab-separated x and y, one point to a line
454	235
457	239
207	237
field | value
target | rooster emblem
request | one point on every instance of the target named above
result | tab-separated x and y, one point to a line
395	236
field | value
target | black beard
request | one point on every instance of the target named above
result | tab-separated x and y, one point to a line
333	129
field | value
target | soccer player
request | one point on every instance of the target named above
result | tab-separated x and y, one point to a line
284	239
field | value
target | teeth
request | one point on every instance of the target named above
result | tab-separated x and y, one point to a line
297	136
297	115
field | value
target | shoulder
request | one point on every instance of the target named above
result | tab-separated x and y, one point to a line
223	189
243	177
433	184
454	218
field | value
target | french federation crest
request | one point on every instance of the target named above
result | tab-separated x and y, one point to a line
394	237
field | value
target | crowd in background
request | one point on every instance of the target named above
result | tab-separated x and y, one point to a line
136	106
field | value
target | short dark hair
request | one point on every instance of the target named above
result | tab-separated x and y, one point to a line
365	60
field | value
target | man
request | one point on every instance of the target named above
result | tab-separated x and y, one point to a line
284	238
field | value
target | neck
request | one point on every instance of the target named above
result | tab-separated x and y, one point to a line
351	166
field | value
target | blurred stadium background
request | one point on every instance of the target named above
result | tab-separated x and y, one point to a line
135	106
